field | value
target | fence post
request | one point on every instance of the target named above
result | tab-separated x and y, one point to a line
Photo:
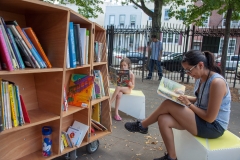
235	77
110	32
186	48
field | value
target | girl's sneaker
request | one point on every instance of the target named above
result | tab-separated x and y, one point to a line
136	127
117	118
165	157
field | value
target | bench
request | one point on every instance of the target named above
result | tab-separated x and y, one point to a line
189	147
132	104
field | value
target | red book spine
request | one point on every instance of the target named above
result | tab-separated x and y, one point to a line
24	110
6	61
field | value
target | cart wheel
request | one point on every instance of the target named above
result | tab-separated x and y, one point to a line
92	147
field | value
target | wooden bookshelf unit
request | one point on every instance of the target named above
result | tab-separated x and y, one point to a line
42	89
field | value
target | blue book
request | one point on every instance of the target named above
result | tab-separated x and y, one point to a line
35	53
71	43
21	120
15	49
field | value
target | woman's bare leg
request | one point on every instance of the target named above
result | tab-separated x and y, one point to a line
117	102
166	122
118	89
183	115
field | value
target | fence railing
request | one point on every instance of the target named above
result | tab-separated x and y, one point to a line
176	39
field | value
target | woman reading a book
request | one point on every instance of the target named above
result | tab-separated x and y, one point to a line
125	64
205	115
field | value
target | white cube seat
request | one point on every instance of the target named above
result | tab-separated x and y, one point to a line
132	104
189	147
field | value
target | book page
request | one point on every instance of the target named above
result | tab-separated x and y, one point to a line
171	90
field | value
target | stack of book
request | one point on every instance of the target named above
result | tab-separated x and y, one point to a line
78	44
74	135
20	47
13	112
98	89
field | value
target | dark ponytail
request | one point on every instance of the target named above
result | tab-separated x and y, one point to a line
193	57
212	66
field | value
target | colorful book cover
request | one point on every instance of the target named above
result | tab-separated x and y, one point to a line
32	36
97	87
83	128
4	53
21	120
171	90
74	134
119	77
96	112
12	105
80	90
71	43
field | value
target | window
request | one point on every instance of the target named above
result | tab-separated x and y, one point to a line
176	38
166	16
133	20
206	21
233	24
122	20
111	20
231	46
197	46
167	38
184	10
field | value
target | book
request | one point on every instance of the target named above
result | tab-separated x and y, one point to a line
77	43
24	110
64	140
74	134
83	44
83	128
119	77
25	42
4	53
171	90
80	90
21	119
69	141
99	125
71	44
1	108
96	112
32	36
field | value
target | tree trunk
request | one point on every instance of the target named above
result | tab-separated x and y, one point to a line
226	39
156	18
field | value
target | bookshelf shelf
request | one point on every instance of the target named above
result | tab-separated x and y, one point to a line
30	70
99	63
95	101
71	110
42	90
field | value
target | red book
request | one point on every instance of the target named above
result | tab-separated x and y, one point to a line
24	110
4	54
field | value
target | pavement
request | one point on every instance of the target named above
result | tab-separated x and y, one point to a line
123	145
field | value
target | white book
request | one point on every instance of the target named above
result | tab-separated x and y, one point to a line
74	134
171	90
68	60
87	46
83	43
82	127
8	106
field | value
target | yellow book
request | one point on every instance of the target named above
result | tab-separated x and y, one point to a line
12	106
96	112
64	140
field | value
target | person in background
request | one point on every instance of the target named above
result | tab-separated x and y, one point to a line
155	58
205	115
125	64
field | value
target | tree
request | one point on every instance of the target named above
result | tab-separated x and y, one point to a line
199	10
87	8
156	14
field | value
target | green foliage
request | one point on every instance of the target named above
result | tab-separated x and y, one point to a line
197	14
87	8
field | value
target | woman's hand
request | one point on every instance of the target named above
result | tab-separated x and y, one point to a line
184	99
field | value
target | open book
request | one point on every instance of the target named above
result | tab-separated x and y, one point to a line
119	77
171	90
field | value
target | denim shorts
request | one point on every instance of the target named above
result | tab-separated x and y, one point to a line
208	130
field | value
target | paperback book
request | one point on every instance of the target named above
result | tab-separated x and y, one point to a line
171	90
119	77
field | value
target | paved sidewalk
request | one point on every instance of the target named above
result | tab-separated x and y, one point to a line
123	145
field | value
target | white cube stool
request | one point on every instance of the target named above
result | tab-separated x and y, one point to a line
132	104
189	147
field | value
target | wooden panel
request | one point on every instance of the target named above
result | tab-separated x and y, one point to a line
106	119
27	88
49	91
9	16
51	33
18	144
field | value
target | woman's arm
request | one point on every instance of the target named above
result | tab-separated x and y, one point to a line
217	91
192	99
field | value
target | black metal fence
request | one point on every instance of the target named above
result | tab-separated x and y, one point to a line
176	39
